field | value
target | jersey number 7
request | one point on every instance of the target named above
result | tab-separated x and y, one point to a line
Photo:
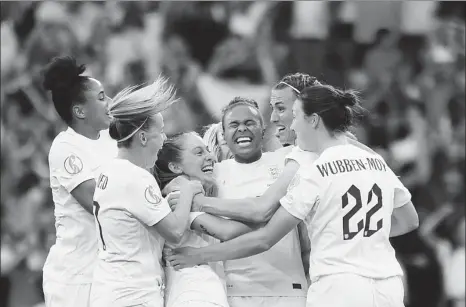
96	213
363	223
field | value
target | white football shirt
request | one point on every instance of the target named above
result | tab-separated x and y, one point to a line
278	271
346	199
300	156
74	159
128	201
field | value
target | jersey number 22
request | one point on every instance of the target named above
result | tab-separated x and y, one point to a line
366	222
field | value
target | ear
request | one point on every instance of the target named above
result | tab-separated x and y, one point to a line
314	120
175	168
79	111
142	138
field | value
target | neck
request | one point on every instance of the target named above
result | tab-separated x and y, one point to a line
250	159
86	130
329	141
133	155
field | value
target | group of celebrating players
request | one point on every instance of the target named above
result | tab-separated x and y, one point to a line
142	220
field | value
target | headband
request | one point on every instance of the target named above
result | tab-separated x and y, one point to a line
133	133
292	87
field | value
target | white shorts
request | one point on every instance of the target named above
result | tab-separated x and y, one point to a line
66	295
267	301
351	290
104	295
198	286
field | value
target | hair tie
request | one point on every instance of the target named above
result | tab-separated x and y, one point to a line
133	133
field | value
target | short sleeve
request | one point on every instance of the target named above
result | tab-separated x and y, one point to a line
148	206
401	195
193	216
302	195
301	157
70	165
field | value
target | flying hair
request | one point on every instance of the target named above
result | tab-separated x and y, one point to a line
141	101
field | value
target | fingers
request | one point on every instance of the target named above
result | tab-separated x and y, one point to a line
175	262
173	199
167	252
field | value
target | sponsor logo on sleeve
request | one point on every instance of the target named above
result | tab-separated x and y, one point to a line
73	164
151	196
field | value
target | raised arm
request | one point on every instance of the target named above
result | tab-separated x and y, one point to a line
256	210
220	228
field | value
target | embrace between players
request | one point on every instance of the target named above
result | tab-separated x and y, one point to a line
143	220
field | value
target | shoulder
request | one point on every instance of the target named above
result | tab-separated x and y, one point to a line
224	165
64	147
283	151
302	157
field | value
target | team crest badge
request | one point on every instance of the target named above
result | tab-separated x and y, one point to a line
73	164
151	196
274	172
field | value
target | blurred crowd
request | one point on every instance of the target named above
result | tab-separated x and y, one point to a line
407	59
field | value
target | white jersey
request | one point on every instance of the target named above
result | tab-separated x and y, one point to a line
198	283
297	154
74	159
346	199
278	271
127	201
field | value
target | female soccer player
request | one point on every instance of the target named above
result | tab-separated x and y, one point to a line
277	277
74	157
131	217
261	209
186	154
351	202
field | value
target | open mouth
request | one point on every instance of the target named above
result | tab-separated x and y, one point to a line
243	141
208	169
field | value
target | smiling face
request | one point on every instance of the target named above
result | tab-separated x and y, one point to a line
243	132
96	106
196	161
281	102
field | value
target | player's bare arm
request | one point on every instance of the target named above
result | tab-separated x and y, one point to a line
173	226
84	194
256	210
404	220
220	228
249	244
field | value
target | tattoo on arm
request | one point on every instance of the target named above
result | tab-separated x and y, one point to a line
206	231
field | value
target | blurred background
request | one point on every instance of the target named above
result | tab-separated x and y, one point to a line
407	59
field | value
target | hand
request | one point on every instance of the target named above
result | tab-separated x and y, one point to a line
175	184
173	198
181	258
194	187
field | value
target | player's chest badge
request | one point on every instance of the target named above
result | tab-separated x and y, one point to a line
274	172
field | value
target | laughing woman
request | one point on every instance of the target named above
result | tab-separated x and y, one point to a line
186	155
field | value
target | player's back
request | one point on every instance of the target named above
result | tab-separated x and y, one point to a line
349	225
278	271
129	261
